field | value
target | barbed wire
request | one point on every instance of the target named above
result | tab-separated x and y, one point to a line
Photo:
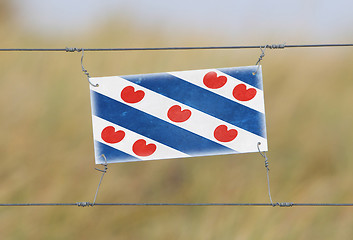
269	46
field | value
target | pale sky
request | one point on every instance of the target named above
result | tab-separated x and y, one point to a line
281	20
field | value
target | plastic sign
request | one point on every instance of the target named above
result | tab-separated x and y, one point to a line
178	114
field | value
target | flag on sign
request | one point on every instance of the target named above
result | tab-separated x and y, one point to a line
178	114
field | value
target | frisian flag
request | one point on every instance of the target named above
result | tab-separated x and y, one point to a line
178	114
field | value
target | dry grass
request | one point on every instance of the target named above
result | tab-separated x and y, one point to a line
47	150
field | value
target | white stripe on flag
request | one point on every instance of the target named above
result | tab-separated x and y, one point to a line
158	105
125	145
196	77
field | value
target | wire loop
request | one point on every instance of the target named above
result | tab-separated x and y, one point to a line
262	55
83	69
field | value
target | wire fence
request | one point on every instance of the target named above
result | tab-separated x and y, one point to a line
262	47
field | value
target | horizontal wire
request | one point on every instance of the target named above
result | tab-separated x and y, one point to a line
86	204
272	46
35	204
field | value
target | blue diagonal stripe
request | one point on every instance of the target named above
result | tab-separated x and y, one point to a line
244	74
111	153
203	100
154	128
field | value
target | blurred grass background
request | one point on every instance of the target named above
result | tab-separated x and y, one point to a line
47	148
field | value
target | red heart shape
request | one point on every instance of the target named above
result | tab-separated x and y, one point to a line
109	135
222	134
141	149
129	95
212	81
242	94
176	115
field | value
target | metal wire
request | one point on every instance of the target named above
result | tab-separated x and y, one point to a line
103	172
262	55
82	67
270	46
88	204
263	154
35	204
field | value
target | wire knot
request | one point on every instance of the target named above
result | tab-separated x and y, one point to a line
283	204
105	164
276	46
68	49
267	164
261	55
84	204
